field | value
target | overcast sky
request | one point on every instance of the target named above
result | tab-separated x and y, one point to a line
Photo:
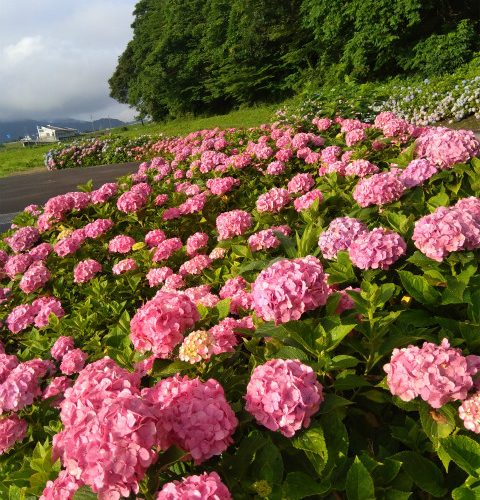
57	55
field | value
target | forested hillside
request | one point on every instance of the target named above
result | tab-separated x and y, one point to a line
203	56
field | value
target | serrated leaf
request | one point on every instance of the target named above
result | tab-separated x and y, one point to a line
359	485
419	288
312	442
465	452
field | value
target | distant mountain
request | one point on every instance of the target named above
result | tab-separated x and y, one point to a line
14	130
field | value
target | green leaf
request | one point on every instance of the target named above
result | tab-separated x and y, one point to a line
85	493
437	424
359	485
223	308
465	452
419	288
341	271
312	442
288	352
299	485
439	200
465	493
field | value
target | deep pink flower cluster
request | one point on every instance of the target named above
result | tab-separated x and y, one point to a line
436	373
104	193
288	288
124	266
17	264
85	270
449	229
305	201
166	248
41	252
195	242
273	201
376	249
43	307
445	147
301	183
56	388
233	223
225	338
195	415
121	244
379	189
35	277
23	239
266	239
63	488
159	325
61	346
339	235
276	168
223	185
135	199
417	172
205	487
155	237
12	430
73	361
283	395
97	228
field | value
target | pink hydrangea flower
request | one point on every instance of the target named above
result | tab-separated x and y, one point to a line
361	168
61	347
346	302
157	276
236	290
288	288
104	193
217	253
417	172
172	283
21	317
222	185
41	252
233	223
69	245
205	487
160	200
305	201
155	237
354	136
202	295
85	270
35	277
273	201
379	189
266	239
376	249
131	201
166	248
44	306
195	242
331	154
17	264
159	325
436	373
195	265
224	336
73	361
282	395
300	183
56	388
124	266
23	239
97	228
276	168
121	244
469	412
322	123
12	430
63	488
339	235
4	294
7	364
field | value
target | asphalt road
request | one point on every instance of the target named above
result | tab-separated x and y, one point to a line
18	191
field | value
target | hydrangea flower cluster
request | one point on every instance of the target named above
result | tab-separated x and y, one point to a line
233	223
378	189
266	239
436	373
305	201
23	239
36	276
121	244
339	235
85	270
283	395
273	201
288	288
469	412
207	486
12	430
124	266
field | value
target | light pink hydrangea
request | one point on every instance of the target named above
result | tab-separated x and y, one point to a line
222	185
56	389
195	414
361	168
305	201
195	265
266	239
301	183
172	283
166	249
233	223
417	172
207	486
21	317
202	295
73	361
354	136
44	306
85	270
155	237
376	249
379	189
273	201
196	346
157	276
195	242
436	373
331	154
236	289
7	364
225	338
276	168
159	325
17	264
339	235
322	123
63	488
121	244
61	346
23	239
217	253
124	266
35	277
469	412
283	395
12	430
288	288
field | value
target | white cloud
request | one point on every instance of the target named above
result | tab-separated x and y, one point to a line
57	57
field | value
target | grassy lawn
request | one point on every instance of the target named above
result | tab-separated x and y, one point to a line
14	158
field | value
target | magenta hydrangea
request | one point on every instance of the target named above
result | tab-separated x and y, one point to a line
282	395
23	239
233	223
339	235
124	266
301	183
12	430
288	288
85	270
207	486
159	325
436	373
35	277
305	201
61	347
121	244
378	189
273	201
417	172
73	361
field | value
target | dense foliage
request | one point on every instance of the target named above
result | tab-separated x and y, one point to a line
286	313
207	56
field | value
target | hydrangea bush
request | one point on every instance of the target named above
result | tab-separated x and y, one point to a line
277	312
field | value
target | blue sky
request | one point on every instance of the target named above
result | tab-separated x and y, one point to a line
57	55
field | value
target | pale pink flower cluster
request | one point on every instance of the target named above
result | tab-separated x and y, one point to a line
354	136
97	228
273	201
63	488
305	201
17	264
236	289
376	249
104	193
202	295
195	242
195	415
156	276
379	189
166	249
266	239
124	266
436	373
61	347
121	244
73	361
301	183
339	235
154	237
135	199
233	223
417	172
195	265
35	277
20	317
361	168
85	270
225	338
223	185
196	346
207	486
288	288
449	229
322	123
23	239
445	147
469	412
283	395
159	325
12	430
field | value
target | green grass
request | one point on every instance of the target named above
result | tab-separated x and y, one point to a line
14	158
